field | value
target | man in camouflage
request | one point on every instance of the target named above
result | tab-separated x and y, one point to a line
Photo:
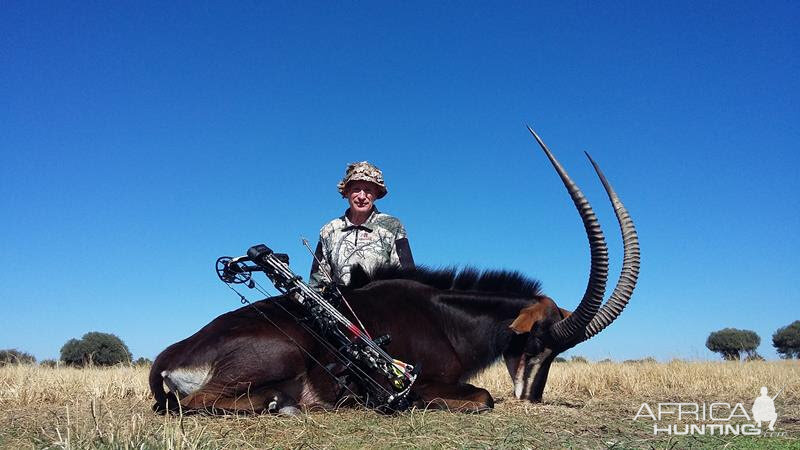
363	235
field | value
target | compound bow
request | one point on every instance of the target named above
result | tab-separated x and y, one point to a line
350	344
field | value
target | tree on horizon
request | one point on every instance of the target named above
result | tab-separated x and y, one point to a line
786	340
733	344
95	348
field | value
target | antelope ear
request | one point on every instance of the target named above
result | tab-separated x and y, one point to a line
529	315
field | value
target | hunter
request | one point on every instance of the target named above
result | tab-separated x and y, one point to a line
363	235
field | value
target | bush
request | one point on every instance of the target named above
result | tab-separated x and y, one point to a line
51	363
787	340
95	348
732	343
578	359
560	359
645	360
142	361
14	356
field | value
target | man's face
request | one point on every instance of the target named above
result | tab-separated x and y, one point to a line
361	195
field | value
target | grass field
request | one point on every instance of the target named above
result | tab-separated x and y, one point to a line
586	406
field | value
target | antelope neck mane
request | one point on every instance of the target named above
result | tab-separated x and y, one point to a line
503	282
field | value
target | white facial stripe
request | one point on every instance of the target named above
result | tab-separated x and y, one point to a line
531	376
518	377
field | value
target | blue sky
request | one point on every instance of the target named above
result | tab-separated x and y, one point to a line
140	141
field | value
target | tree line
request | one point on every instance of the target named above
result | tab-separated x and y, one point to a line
734	344
92	349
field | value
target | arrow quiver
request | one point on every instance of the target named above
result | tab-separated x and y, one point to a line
362	357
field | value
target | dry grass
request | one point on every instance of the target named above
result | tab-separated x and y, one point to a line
586	406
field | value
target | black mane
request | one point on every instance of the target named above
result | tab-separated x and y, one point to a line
451	278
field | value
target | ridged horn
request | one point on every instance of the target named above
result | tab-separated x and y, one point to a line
629	273
566	330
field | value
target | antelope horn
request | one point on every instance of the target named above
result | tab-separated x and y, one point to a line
566	330
630	264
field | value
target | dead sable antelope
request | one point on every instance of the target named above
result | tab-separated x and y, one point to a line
452	324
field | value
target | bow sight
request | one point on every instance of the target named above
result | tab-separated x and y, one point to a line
360	355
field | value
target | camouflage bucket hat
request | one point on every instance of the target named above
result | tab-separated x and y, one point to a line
366	172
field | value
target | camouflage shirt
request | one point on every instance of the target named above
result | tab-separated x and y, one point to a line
380	240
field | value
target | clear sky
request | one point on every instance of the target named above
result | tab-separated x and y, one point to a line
140	141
